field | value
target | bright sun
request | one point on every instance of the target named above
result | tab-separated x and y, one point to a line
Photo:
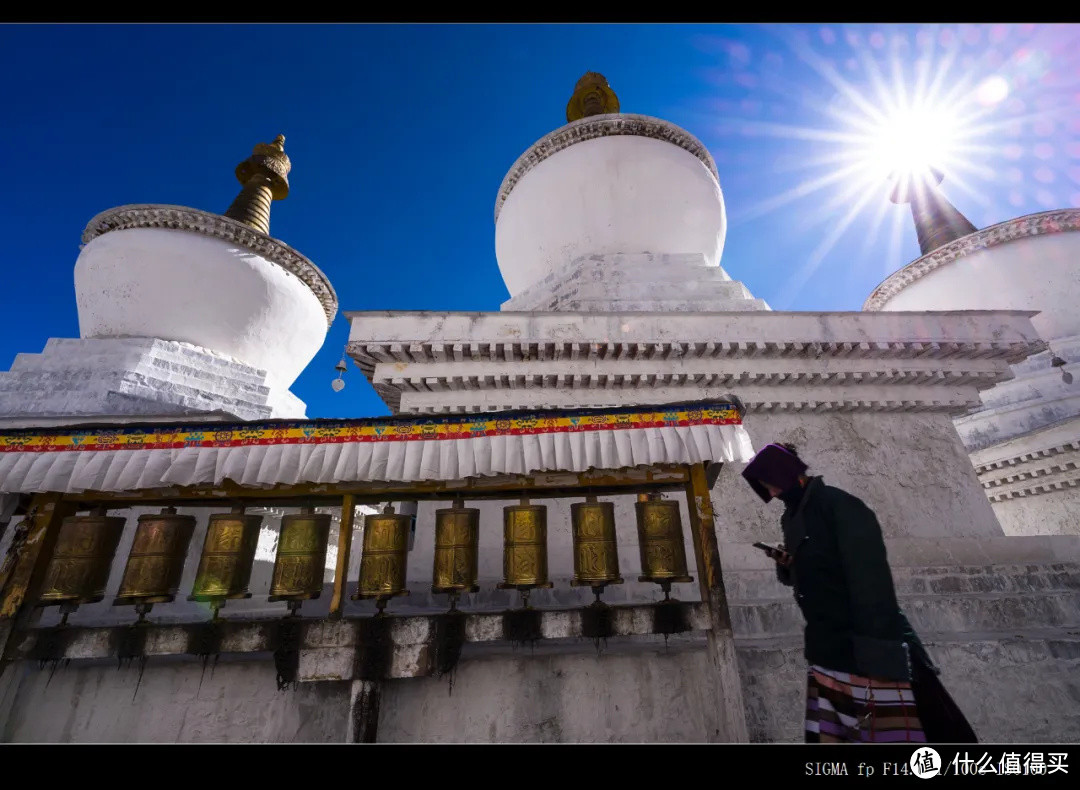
903	118
908	142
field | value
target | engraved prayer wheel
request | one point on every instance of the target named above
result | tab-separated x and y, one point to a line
660	539
300	564
227	556
596	554
79	567
457	539
156	560
525	547
384	558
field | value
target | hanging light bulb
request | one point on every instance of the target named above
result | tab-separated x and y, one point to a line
338	384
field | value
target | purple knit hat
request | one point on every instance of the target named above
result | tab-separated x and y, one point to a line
775	465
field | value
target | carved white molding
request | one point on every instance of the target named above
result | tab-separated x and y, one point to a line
214	225
423	362
1061	221
1033	473
594	127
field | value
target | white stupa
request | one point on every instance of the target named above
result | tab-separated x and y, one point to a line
1024	438
613	212
182	313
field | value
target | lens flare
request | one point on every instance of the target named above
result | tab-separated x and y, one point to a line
992	90
908	141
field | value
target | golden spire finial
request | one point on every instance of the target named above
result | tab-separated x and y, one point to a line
265	176
592	96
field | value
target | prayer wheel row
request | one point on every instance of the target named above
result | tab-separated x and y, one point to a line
79	567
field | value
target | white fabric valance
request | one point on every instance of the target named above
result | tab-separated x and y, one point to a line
132	458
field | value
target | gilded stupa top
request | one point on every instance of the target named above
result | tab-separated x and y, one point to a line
269	161
592	96
265	178
593	113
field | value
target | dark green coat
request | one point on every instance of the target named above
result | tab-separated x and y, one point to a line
843	584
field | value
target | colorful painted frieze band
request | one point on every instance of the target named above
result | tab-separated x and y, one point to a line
393	429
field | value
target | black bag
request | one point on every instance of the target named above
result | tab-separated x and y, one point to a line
942	720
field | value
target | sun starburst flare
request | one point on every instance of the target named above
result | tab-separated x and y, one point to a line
910	110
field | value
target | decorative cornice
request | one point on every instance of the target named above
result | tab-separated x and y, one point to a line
594	127
219	227
1060	221
1033	473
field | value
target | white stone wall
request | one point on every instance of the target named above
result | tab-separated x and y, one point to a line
183	286
1036	271
1054	513
619	194
645	282
911	469
173	702
117	379
655	694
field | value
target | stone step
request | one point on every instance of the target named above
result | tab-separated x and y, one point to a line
222	380
944	613
652	290
1023	689
620	305
1056	577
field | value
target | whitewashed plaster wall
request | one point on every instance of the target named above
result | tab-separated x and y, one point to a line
619	194
136	379
656	694
176	701
1054	513
184	286
911	469
1034	272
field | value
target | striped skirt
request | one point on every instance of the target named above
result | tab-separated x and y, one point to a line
846	708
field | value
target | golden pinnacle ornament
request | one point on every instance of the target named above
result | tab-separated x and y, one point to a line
300	564
156	560
660	538
384	557
79	567
227	556
596	552
592	96
457	539
525	548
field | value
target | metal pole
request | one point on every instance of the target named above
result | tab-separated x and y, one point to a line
721	641
341	571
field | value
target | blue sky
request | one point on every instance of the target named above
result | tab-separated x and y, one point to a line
401	134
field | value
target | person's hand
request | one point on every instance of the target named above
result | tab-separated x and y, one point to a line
781	557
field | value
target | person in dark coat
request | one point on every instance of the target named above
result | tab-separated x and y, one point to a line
870	678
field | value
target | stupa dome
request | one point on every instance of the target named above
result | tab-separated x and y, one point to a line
217	281
603	184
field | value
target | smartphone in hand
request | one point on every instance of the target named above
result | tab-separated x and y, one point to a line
774	552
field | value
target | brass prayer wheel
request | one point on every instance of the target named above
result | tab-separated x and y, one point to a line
79	567
385	552
300	564
660	539
457	540
156	560
596	554
525	547
227	556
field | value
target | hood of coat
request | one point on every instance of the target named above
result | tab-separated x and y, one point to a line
775	466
